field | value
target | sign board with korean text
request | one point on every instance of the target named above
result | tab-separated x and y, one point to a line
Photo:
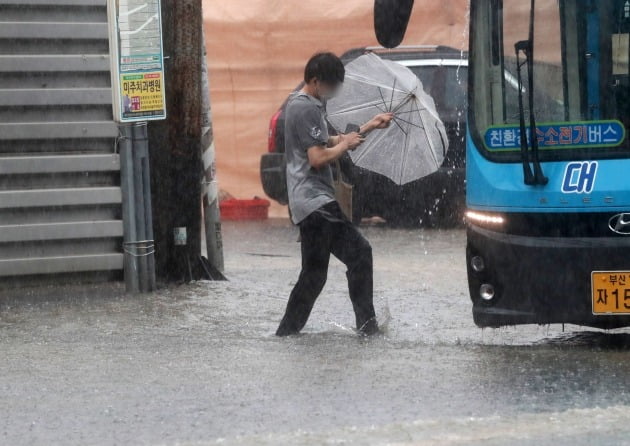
570	135
137	62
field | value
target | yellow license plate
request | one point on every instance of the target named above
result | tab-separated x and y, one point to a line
611	292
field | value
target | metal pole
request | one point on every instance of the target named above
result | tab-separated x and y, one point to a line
129	205
139	212
138	243
143	147
146	244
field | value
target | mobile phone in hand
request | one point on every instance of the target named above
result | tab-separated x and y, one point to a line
352	128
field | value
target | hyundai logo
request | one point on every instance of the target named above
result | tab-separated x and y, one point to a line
620	224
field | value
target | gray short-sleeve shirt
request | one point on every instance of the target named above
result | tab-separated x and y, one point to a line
305	127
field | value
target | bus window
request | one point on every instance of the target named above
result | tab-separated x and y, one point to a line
549	92
581	70
616	52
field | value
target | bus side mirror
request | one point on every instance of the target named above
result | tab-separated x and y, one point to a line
391	18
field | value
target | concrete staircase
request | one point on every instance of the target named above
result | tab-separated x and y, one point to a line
60	197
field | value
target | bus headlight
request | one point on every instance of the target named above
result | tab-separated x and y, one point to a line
485	218
486	292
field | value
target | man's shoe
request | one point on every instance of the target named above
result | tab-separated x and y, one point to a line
284	332
370	328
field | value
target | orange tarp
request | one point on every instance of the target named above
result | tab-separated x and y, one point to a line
257	50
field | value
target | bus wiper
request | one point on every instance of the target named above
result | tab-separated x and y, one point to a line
523	46
526	47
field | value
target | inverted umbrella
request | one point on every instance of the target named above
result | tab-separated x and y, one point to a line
415	144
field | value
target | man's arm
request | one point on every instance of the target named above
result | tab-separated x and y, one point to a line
378	122
334	140
320	156
381	121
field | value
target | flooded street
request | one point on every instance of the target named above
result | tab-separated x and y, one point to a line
200	365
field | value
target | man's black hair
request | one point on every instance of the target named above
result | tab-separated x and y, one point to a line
326	67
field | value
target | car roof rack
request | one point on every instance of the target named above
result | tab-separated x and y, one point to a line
406	48
404	51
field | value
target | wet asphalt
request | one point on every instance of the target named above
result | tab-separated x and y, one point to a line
199	364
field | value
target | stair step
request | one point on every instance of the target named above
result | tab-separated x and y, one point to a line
42	198
61	231
38	97
53	31
59	164
54	63
66	264
58	130
53	3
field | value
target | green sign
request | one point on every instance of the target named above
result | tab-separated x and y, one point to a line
137	60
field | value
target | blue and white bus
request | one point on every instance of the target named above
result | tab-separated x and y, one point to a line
548	162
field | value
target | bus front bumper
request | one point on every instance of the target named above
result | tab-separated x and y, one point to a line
537	280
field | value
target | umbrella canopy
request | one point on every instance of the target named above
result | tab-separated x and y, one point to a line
415	144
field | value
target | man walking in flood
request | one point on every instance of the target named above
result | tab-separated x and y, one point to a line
324	229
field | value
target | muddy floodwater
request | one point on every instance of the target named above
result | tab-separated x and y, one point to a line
199	364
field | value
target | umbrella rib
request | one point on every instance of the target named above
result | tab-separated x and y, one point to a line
404	157
389	109
403	103
397	117
426	135
399	126
410	111
383	98
409	122
421	127
380	109
442	140
391	103
432	151
355	108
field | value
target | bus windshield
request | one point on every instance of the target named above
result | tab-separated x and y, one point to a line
581	78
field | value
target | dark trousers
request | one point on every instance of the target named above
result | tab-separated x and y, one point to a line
326	232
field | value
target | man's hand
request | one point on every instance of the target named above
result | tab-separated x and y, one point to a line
352	140
320	156
382	121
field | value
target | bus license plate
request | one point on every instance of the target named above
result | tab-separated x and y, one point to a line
611	292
